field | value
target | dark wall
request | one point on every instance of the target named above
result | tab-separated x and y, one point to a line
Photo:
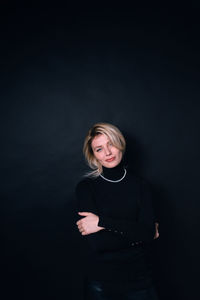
62	70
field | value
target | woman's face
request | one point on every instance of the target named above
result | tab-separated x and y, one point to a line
107	154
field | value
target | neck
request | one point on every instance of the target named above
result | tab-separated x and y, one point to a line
114	173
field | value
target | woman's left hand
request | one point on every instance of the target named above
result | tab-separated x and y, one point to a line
156	233
88	224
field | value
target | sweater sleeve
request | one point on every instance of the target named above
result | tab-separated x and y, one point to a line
141	230
103	240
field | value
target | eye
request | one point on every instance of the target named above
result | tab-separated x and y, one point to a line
98	149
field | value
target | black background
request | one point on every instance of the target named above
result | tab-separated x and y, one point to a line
62	70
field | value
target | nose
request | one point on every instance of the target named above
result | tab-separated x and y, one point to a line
108	151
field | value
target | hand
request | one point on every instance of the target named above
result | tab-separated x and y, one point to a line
88	224
156	233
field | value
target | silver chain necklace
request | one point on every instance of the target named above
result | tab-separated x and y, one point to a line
115	180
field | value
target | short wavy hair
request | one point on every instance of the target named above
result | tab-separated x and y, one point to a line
114	135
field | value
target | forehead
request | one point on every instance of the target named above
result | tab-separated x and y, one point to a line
99	140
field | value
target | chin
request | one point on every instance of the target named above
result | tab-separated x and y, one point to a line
111	164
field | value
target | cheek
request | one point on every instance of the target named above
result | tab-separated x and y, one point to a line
116	151
98	155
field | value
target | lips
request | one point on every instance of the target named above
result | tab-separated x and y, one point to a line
111	159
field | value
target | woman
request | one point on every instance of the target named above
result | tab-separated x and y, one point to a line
117	219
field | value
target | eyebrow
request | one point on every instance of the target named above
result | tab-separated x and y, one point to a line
100	145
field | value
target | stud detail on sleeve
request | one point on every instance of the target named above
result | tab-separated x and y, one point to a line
132	244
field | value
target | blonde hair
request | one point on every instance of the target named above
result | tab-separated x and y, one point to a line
115	136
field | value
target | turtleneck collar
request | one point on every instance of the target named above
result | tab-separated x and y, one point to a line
114	173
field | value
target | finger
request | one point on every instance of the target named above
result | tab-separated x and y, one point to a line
156	235
81	230
80	221
84	233
84	213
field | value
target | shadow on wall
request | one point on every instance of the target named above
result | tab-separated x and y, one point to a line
133	154
162	248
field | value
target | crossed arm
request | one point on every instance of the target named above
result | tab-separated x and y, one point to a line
102	232
89	224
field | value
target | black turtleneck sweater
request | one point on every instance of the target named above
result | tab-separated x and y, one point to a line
125	210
